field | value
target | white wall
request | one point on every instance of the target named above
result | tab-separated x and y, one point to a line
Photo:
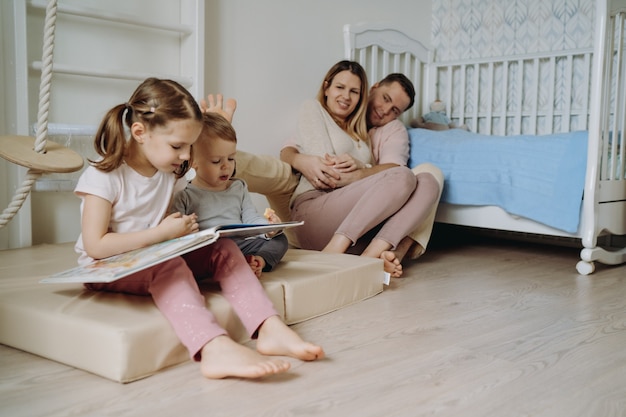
270	55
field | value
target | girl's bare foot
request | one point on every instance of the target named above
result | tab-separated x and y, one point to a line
276	338
257	264
222	357
392	264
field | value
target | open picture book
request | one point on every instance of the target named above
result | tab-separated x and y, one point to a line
118	266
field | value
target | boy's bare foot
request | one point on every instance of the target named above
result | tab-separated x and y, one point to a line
222	357
276	338
257	264
392	264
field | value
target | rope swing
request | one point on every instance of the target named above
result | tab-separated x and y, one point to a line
36	154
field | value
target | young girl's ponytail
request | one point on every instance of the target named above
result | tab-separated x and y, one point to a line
110	141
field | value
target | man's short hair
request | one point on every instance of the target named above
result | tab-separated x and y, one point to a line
404	82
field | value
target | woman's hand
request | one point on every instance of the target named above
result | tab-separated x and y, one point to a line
344	162
216	105
317	170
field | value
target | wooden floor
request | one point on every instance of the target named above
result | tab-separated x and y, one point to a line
481	327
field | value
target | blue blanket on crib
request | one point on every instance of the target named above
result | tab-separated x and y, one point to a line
538	177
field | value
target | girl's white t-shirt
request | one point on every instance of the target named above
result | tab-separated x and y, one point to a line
138	202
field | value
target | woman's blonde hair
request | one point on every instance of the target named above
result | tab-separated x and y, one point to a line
356	122
154	103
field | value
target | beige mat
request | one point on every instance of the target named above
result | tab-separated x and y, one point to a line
124	337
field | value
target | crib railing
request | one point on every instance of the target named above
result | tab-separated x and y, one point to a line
534	94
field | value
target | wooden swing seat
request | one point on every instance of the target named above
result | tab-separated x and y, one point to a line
56	158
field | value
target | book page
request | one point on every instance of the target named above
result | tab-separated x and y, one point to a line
118	266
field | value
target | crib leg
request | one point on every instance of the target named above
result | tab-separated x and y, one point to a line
585	268
586	265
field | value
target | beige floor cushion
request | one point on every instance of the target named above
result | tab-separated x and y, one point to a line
124	337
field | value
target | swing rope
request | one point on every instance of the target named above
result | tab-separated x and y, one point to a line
22	192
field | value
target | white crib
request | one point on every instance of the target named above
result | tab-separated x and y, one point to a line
538	94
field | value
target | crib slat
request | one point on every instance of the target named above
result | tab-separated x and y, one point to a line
414	71
463	84
386	66
568	74
396	63
505	97
583	123
533	98
550	121
407	64
489	104
475	95
517	122
374	62
448	99
362	56
406	69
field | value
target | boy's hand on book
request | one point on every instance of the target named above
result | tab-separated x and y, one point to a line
177	225
271	216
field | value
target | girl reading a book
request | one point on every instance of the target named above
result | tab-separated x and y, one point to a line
124	200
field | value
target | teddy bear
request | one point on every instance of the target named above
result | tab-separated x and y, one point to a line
436	119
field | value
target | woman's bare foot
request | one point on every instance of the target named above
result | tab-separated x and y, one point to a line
257	264
222	357
404	247
337	244
392	264
276	338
